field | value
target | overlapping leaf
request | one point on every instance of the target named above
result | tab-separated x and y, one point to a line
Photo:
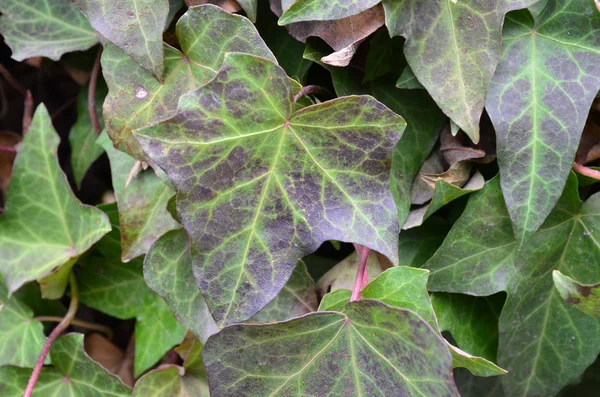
47	28
261	186
44	226
320	10
82	136
453	48
143	215
137	100
584	297
372	349
73	374
544	343
539	100
135	26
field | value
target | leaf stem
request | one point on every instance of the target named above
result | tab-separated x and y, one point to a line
9	77
362	277
92	94
583	170
27	112
8	149
309	89
79	323
56	332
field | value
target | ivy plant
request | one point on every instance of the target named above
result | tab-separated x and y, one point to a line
300	197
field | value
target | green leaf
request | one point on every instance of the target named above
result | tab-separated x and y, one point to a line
82	136
118	289
168	272
23	337
271	185
47	28
136	100
453	48
44	226
417	245
335	301
250	7
372	349
135	26
408	80
539	100
176	381
585	297
385	55
143	215
73	374
481	256
324	10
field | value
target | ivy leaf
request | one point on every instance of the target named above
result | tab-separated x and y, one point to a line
43	226
47	28
320	10
384	55
118	289
481	256
73	374
417	245
176	381
453	48
408	80
27	337
271	185
170	255
372	349
539	100
143	215
135	26
250	7
135	99
584	297
82	136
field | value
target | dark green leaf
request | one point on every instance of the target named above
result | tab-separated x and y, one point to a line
249	6
73	374
539	100
136	100
372	349
408	80
585	297
481	256
135	26
453	48
385	55
143	215
271	185
47	28
44	226
417	245
323	10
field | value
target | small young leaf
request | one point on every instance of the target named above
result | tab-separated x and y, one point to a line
270	185
143	215
73	374
372	349
135	26
539	100
585	297
324	10
44	226
135	99
47	28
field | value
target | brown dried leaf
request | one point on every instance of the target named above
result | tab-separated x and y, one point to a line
455	149
458	174
105	353
589	146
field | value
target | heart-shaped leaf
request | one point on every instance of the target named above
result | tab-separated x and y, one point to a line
453	48
481	256
135	99
270	185
64	28
44	226
539	100
73	374
371	349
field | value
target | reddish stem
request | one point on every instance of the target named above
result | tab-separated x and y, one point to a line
361	272
583	170
56	332
8	149
9	77
92	94
27	112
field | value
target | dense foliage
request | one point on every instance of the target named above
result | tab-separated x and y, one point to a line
300	197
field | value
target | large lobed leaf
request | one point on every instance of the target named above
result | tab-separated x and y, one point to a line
453	48
136	99
544	343
47	28
44	226
539	100
372	349
261	186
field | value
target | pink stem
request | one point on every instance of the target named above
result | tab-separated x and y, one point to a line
583	170
92	94
361	272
